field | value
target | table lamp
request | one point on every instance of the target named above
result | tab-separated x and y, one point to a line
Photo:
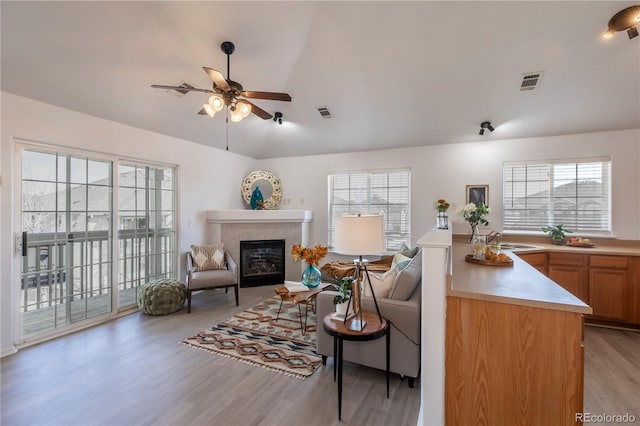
359	235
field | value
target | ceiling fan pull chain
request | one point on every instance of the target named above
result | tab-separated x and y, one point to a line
227	120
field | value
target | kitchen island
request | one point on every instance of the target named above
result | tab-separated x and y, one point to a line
513	346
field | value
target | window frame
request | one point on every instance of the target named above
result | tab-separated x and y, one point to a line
353	208
574	218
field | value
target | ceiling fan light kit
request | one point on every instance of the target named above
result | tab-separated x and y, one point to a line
240	111
626	20
226	92
215	104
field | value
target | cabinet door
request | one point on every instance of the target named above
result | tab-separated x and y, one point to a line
570	270
609	293
572	279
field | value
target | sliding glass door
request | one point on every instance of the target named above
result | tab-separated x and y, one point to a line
67	206
66	224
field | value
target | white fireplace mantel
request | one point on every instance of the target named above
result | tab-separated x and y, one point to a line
259	216
232	226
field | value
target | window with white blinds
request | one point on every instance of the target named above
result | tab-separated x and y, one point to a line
573	193
377	192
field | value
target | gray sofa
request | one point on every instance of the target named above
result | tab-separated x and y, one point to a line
401	309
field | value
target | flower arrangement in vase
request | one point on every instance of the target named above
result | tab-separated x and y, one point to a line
475	215
442	219
312	256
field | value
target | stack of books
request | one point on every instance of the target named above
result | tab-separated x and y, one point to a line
340	317
295	286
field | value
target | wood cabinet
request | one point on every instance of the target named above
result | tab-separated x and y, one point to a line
537	260
610	284
512	365
570	270
611	290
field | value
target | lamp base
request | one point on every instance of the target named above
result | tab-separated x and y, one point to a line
357	324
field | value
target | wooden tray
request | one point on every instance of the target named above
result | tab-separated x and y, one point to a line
585	245
469	258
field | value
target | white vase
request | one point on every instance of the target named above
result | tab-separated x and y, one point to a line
341	308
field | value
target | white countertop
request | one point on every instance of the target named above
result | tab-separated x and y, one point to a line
520	284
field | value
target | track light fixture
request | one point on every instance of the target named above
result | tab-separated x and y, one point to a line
485	125
626	20
277	117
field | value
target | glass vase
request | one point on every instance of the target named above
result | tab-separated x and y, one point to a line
311	276
442	220
474	231
478	246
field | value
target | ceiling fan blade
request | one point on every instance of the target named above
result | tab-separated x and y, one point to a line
202	112
272	96
259	111
182	89
217	78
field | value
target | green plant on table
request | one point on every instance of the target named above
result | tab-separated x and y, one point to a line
343	287
558	233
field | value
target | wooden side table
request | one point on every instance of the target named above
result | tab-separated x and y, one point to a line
301	298
374	329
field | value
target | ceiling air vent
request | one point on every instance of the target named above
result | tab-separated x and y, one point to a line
324	112
179	92
530	81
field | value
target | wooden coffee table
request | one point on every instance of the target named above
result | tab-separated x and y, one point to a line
340	331
306	298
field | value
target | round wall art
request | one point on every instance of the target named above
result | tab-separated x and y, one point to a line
265	183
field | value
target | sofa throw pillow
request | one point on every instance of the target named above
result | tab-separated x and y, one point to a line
381	284
409	252
400	261
207	258
407	279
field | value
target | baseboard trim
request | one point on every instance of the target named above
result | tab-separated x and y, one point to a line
8	351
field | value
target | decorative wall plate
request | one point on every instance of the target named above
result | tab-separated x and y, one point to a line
270	188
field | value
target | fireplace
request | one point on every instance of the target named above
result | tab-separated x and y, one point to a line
261	262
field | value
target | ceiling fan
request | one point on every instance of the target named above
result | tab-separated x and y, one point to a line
227	92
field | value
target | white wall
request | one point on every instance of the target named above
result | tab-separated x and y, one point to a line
208	178
443	171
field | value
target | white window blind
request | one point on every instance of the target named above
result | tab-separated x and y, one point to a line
378	192
573	193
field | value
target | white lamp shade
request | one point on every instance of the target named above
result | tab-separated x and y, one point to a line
236	115
357	235
216	103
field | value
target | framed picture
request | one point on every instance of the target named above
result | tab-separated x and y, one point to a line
478	194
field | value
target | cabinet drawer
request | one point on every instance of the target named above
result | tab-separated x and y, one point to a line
567	259
619	262
534	259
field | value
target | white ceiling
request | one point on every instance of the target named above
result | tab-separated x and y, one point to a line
394	74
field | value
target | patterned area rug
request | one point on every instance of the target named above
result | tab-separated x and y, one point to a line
255	337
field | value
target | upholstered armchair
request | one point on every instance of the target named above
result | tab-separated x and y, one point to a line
203	275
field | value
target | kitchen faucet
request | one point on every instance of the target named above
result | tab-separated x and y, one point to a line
494	236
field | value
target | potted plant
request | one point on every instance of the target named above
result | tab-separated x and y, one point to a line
558	233
341	300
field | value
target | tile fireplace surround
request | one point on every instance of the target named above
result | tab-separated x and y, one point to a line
233	226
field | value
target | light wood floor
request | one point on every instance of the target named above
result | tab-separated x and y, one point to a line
612	372
133	371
